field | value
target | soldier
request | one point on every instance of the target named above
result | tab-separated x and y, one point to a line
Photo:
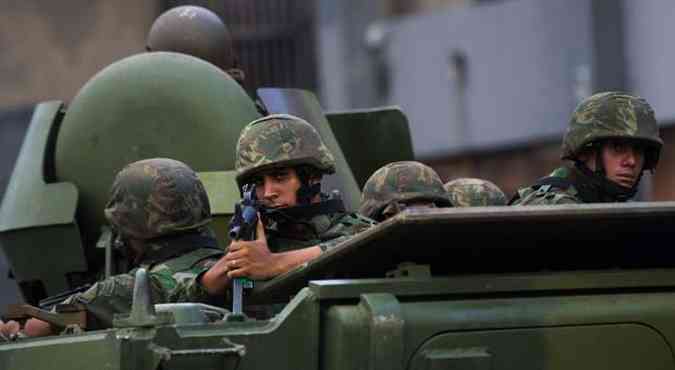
159	212
469	192
612	139
400	185
285	158
199	32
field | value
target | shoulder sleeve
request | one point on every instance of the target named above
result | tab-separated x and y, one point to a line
107	298
546	195
184	285
344	228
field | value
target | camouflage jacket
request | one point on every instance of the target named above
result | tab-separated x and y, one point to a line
324	230
550	194
173	278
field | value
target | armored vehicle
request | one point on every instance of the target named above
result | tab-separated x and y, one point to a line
573	287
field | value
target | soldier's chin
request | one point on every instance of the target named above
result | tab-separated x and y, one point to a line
625	182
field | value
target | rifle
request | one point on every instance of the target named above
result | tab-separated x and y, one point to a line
243	227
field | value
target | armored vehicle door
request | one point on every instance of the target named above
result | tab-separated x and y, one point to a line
371	138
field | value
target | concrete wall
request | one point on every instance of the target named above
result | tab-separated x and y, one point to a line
51	48
650	53
520	73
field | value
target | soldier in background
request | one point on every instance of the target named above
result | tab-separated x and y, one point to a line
612	139
159	212
470	192
286	159
400	185
199	32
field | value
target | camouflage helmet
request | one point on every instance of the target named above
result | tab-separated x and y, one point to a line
280	140
470	192
401	182
156	197
195	31
613	115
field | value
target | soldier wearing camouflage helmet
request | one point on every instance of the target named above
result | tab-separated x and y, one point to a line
285	158
612	139
199	32
158	212
400	185
471	192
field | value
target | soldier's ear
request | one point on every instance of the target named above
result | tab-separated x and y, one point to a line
588	157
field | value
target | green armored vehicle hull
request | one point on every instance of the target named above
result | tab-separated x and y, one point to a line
586	299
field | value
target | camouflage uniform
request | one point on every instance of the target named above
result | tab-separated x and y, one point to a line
162	203
396	184
281	141
469	192
601	117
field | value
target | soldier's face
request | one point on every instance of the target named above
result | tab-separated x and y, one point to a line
278	187
623	162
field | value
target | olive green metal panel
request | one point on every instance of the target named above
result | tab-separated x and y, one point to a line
623	346
304	104
223	192
29	201
91	351
37	219
455	241
148	105
556	330
290	340
371	138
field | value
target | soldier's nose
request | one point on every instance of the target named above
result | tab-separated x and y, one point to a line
269	190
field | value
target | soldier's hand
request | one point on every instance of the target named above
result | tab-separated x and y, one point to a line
252	259
37	328
9	329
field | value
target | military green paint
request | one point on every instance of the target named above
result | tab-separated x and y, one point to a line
148	105
29	201
360	131
223	192
37	219
503	240
623	346
386	325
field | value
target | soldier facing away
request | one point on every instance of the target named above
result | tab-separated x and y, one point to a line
471	192
612	139
159	212
286	159
400	185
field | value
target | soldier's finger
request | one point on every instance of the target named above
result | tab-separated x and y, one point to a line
235	245
235	273
260	230
236	255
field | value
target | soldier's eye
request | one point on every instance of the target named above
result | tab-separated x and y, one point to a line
280	176
621	147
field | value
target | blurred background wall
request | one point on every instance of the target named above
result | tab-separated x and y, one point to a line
488	85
